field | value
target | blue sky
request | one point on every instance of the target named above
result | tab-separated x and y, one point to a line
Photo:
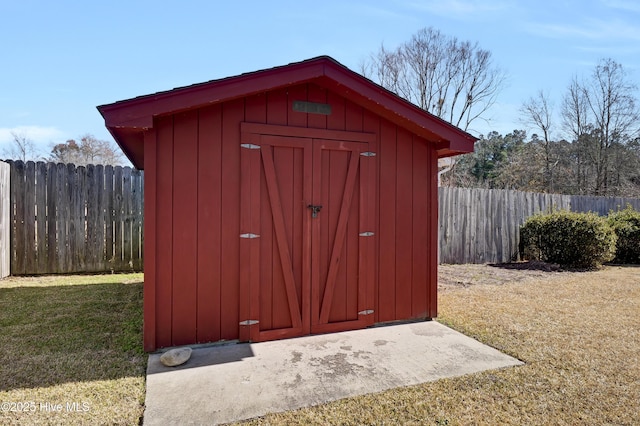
60	59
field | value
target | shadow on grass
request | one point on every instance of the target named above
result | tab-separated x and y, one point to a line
531	265
68	333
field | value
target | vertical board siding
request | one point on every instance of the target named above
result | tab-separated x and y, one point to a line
386	307
185	227
432	269
232	114
164	231
483	225
61	222
5	219
150	247
319	95
209	224
404	224
421	215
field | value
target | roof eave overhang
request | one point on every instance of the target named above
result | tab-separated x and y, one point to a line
141	110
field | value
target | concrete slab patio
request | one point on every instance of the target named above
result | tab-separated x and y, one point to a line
233	382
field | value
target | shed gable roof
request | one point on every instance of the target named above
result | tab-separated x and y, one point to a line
128	119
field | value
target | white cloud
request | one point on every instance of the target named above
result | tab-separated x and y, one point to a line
592	29
377	12
461	8
38	134
626	5
611	51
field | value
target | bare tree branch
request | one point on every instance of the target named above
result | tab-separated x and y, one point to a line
21	148
453	80
601	113
537	113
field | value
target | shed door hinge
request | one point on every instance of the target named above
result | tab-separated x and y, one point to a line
368	154
249	146
367	234
366	312
249	322
249	235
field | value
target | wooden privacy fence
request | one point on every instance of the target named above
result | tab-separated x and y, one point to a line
483	225
60	218
67	219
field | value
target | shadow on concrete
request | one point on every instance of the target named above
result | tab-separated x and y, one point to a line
205	356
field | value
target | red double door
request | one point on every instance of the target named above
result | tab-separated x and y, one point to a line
307	241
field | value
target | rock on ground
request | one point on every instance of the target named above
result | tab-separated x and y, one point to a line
175	357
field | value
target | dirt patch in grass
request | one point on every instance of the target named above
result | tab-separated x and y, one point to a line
458	276
577	332
71	350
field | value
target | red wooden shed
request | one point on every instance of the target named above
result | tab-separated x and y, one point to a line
294	200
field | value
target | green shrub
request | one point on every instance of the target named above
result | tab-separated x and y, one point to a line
626	225
574	240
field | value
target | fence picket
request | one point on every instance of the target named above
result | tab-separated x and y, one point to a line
107	197
127	217
99	219
51	215
92	218
29	217
137	213
18	239
117	218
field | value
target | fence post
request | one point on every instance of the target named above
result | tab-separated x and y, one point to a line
5	235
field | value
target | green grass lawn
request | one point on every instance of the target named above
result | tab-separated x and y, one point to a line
71	350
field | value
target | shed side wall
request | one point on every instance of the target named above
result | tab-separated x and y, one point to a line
407	257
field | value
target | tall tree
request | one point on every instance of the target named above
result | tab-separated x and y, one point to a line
537	112
88	150
602	114
454	80
575	110
575	113
495	163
